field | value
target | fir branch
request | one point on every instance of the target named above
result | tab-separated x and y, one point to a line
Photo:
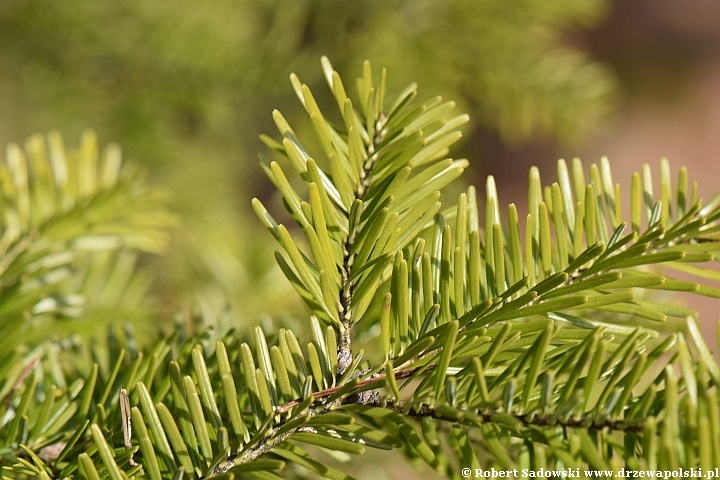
344	335
490	416
479	332
344	338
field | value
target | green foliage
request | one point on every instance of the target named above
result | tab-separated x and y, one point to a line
181	64
547	349
73	224
185	86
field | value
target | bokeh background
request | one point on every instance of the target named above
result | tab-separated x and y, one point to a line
186	87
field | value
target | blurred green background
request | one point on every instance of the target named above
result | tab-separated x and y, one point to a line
186	88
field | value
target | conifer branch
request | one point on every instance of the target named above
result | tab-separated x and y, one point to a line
344	336
523	420
532	355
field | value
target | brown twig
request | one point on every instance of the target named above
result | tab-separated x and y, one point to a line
344	340
486	416
363	383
